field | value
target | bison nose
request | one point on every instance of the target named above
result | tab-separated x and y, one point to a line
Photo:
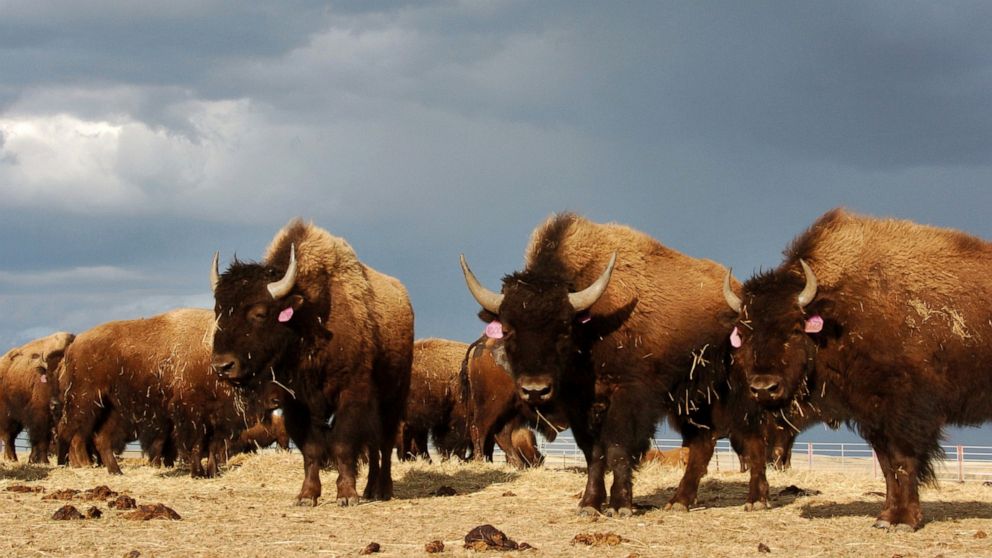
536	392
226	366
766	389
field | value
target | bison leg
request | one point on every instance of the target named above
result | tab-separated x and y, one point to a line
701	445
9	436
595	493
79	453
40	442
902	502
756	453
622	492
103	440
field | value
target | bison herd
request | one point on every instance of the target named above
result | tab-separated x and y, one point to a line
882	324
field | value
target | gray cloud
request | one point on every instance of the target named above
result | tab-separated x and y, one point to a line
144	137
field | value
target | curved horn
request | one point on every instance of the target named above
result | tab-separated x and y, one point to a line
809	291
215	273
588	296
487	299
732	299
281	288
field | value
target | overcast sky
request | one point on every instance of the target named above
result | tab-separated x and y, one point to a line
136	138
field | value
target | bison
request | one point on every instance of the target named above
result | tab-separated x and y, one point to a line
435	407
881	323
337	334
465	401
26	391
148	380
497	416
621	331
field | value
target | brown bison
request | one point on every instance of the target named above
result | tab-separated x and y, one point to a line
26	392
337	334
148	380
497	416
435	407
675	457
621	331
463	400
883	324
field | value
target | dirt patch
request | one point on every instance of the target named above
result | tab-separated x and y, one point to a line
487	537
63	494
123	502
152	511
597	539
102	492
24	489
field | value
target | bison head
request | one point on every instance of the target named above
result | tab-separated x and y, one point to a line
254	308
778	331
536	314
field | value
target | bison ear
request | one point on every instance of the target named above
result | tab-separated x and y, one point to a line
487	316
296	301
13	355
828	328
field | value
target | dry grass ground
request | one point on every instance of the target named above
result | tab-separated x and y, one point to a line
249	512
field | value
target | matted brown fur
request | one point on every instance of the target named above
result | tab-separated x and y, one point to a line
435	405
147	379
496	415
27	385
653	344
345	352
904	347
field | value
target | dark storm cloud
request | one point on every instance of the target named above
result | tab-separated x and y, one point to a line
419	130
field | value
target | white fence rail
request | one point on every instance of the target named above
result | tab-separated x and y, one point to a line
961	463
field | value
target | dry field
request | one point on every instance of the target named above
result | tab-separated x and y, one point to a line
249	512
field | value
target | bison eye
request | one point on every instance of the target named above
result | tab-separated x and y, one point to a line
258	313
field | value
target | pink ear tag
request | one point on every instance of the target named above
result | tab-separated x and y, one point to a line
735	339
494	330
44	378
286	314
814	324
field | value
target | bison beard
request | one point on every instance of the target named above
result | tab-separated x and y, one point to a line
883	324
636	343
337	334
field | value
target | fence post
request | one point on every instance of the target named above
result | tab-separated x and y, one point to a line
961	463
809	454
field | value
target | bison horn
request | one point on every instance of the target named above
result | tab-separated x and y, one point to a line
732	299
487	299
281	288
809	291
588	296
215	273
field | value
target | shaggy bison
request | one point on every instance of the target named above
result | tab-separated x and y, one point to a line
621	331
881	323
435	408
337	334
148	380
464	400
496	414
26	392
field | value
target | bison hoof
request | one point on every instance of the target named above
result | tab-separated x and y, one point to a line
621	513
755	506
903	528
882	524
676	506
306	502
588	511
349	501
